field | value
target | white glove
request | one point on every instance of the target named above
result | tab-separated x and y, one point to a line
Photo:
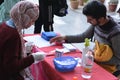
28	47
38	56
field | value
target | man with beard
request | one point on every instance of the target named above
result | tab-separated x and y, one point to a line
103	28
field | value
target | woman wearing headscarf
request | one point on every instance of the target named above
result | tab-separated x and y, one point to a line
14	63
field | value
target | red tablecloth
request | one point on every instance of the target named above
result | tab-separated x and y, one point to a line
45	70
98	72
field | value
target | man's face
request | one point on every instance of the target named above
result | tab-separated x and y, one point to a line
92	20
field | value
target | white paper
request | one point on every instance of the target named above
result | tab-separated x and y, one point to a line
69	46
37	41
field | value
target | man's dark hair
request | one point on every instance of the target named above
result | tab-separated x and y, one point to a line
95	9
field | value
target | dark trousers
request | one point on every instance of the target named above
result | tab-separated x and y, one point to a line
45	17
1	1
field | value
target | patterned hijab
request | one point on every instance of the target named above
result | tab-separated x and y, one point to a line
24	12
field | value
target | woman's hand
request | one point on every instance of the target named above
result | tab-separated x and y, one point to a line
38	56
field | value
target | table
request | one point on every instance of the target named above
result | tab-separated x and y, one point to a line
45	70
98	72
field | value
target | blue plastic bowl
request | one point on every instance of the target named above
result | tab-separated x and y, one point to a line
65	63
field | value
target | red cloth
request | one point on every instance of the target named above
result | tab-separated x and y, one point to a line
37	69
51	73
37	72
98	72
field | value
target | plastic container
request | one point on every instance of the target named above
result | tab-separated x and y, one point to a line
87	65
58	53
85	49
48	35
65	63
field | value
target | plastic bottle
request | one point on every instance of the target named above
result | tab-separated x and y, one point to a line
87	65
85	49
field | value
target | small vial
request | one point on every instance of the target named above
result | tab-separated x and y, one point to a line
58	52
87	65
28	47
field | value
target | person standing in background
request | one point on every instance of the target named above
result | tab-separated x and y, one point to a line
45	17
14	61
